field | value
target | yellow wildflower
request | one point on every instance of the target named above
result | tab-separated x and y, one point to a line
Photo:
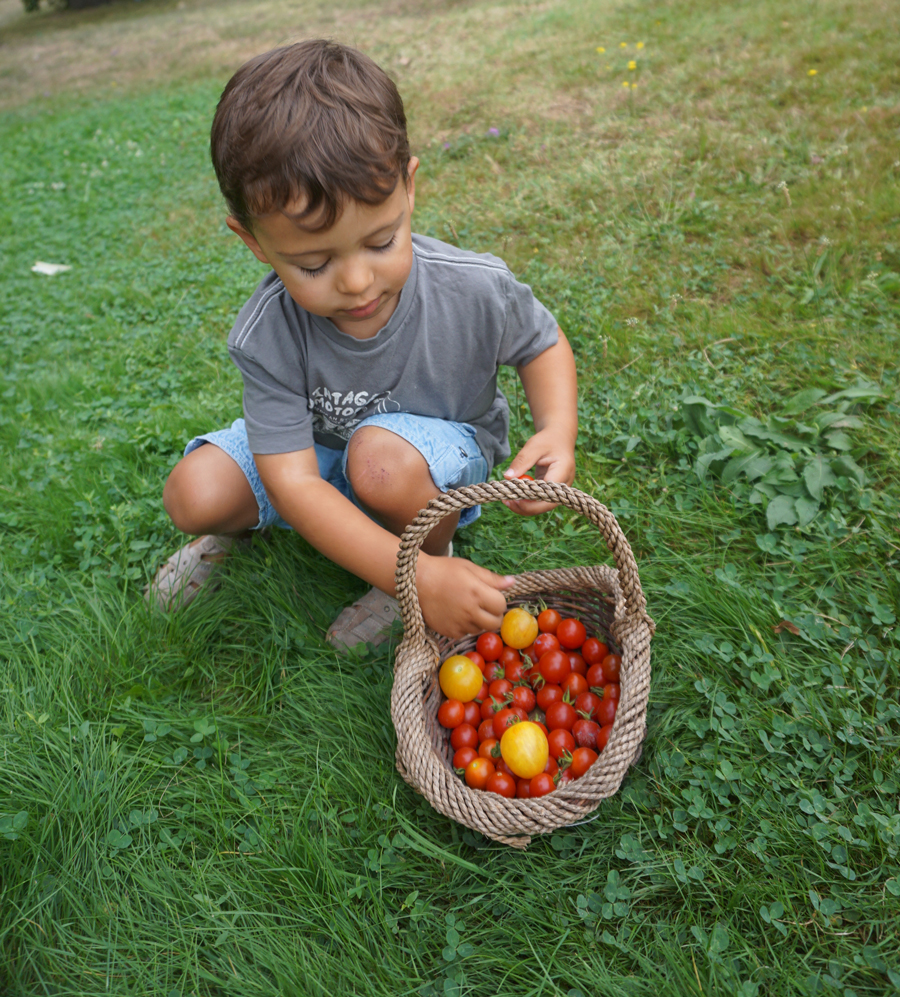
625	83
632	64
639	45
600	48
623	44
813	72
633	85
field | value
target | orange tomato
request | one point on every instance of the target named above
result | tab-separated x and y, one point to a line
460	678
519	628
525	749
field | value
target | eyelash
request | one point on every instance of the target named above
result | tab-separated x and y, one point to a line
375	249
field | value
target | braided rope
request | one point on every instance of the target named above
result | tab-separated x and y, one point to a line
606	600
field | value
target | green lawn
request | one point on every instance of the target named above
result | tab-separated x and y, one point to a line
207	804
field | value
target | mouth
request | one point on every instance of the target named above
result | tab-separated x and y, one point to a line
365	310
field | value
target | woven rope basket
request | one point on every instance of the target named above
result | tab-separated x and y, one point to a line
608	601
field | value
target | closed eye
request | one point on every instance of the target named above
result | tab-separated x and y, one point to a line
386	246
314	273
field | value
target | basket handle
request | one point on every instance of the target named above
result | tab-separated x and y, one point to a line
458	499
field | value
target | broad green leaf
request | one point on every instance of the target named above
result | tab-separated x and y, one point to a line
731	436
817	476
839	441
703	462
806	510
848	467
752	466
838	420
781	511
696	414
867	390
802	401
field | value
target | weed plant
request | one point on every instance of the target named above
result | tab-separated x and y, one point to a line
206	803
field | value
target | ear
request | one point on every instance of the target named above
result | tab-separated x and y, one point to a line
411	182
248	237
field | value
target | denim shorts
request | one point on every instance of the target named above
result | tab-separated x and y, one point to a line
450	449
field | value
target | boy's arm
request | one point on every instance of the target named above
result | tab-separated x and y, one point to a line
457	596
551	387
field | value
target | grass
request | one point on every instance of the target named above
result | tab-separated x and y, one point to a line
207	804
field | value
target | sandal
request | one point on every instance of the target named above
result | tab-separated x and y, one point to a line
179	580
366	621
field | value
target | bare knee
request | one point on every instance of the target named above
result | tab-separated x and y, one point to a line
387	473
208	493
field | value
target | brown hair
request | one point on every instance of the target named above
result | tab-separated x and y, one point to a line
316	119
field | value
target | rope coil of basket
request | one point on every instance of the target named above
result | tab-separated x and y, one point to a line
608	601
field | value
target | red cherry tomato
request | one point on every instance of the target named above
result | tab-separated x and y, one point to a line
594	650
462	757
603	736
541	784
548	695
586	733
509	654
606	711
501	766
554	666
502	784
500	688
582	760
596	676
565	777
482	694
561	715
472	713
548	621
523	789
544	643
477	773
505	718
524	697
493	670
490	707
611	666
489	748
514	671
574	684
561	741
486	730
464	736
477	658
451	713
577	662
551	768
530	654
571	634
489	646
588	703
612	691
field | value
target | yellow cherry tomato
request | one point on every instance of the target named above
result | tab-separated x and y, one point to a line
460	678
525	749
518	629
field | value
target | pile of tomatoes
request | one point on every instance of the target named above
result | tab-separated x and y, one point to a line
532	707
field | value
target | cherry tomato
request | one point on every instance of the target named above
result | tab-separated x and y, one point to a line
482	693
548	621
565	777
594	650
451	713
477	658
504	719
502	784
577	662
606	711
486	730
514	670
560	742
551	768
524	749
460	678
588	703
548	695
611	666
596	676
585	733
508	654
464	736
523	789
603	736
462	757
500	688
582	760
524	697
477	772
612	691
501	766
489	748
489	646
537	716
571	634
493	670
533	677
561	715
519	628
574	684
554	666
472	714
529	653
544	643
540	785
489	707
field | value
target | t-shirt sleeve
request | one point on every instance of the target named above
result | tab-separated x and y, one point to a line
529	328
277	416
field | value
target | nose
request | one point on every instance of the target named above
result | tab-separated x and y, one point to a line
354	276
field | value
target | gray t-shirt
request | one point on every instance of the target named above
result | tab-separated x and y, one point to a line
459	317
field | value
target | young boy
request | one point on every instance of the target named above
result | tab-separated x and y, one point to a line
369	355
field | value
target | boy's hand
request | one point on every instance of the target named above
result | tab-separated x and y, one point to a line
458	597
553	459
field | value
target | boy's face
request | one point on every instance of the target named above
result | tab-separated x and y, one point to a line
351	273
